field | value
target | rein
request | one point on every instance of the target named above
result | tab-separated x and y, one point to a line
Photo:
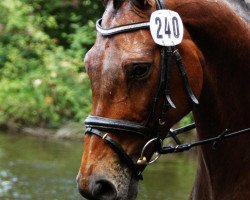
98	126
187	146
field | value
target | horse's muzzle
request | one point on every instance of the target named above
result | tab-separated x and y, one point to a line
99	189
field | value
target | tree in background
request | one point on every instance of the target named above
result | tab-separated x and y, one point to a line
42	43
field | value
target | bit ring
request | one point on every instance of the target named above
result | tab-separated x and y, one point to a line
143	160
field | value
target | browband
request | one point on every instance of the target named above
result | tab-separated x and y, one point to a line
120	29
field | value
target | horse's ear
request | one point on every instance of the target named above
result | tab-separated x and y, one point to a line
117	3
104	2
142	4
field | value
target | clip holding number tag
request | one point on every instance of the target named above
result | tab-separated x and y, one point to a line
166	27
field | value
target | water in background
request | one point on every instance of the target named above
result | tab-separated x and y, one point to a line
42	169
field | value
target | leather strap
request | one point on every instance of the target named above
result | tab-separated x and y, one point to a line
160	5
118	126
120	29
119	150
183	73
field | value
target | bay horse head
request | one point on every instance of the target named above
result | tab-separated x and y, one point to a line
125	71
139	91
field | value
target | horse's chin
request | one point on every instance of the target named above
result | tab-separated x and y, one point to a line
132	190
127	188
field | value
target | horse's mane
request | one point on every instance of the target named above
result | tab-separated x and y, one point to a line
240	8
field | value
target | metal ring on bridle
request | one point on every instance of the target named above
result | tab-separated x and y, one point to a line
143	160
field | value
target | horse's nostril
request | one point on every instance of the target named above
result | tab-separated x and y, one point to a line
104	190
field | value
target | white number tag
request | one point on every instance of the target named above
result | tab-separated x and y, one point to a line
166	27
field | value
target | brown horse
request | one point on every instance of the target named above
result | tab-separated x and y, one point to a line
124	70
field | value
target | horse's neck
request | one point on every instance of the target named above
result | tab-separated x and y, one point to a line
223	38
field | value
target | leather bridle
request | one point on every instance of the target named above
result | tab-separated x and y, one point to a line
99	126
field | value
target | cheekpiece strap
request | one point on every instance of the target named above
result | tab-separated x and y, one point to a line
160	5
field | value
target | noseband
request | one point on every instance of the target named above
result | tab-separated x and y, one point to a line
99	126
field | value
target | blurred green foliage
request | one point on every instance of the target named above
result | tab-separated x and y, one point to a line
42	44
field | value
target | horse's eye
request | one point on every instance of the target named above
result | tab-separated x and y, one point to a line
139	70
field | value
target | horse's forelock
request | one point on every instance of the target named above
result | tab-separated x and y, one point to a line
141	4
117	3
104	2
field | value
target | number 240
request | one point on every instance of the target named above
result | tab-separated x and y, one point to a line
175	24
